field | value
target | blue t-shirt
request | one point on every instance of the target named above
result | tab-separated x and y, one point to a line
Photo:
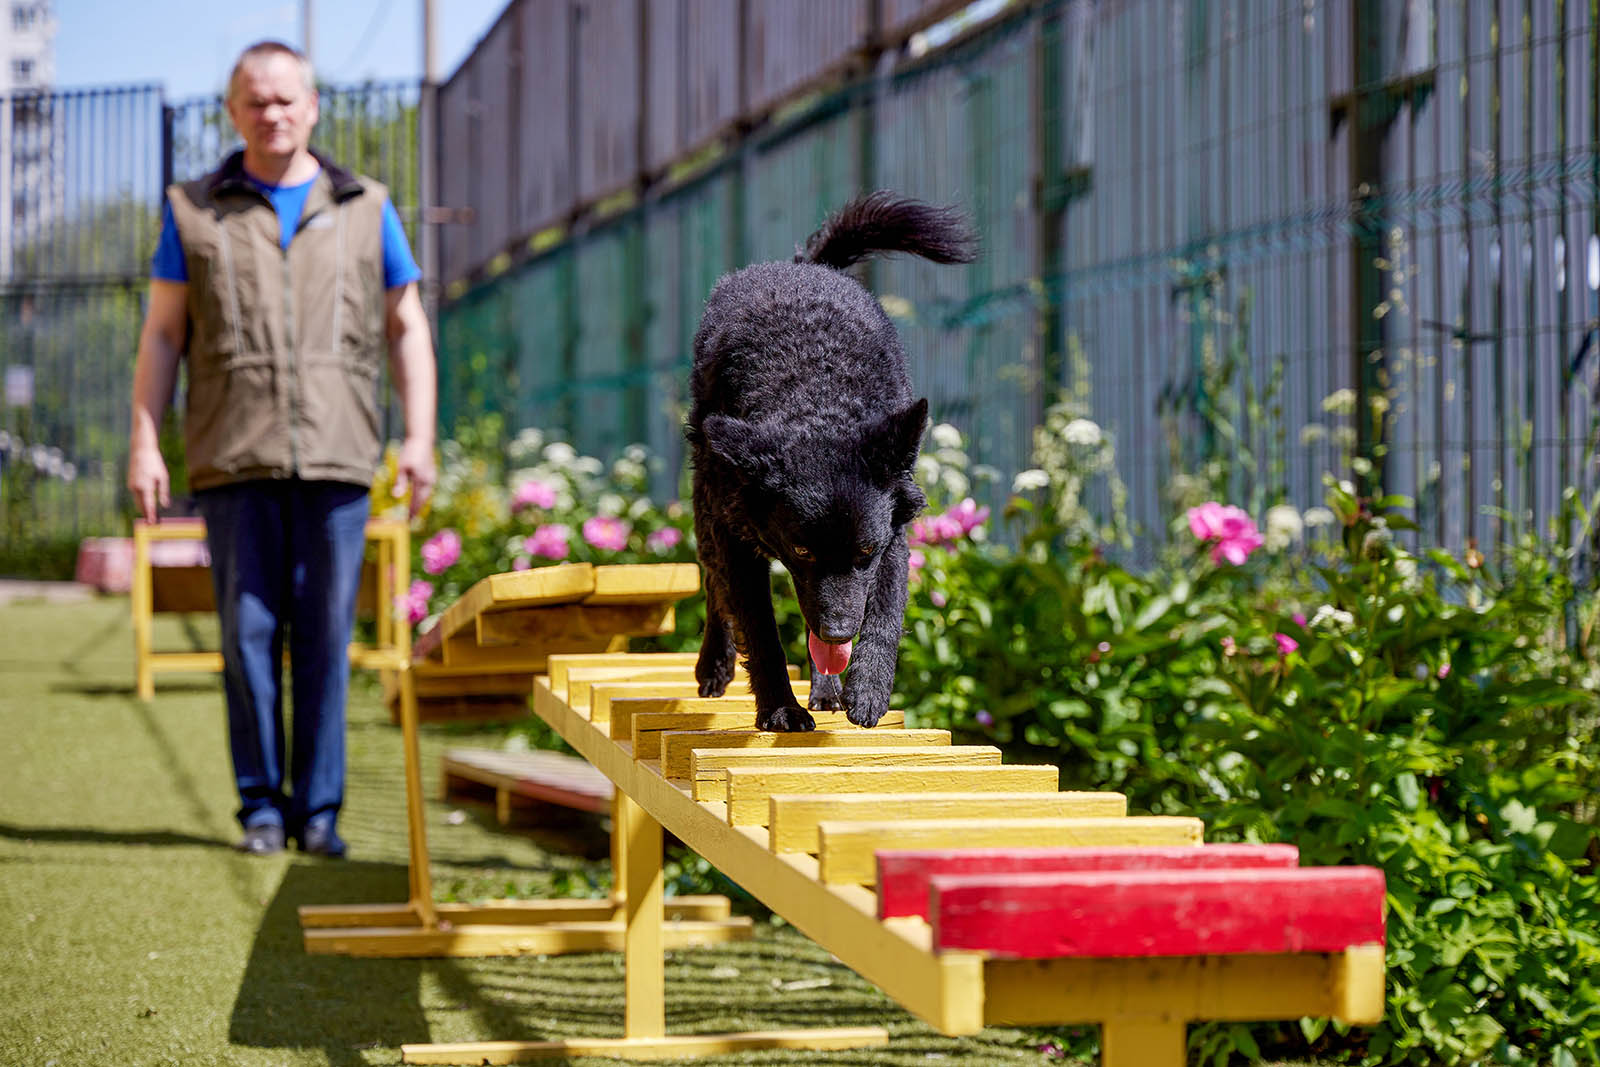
399	267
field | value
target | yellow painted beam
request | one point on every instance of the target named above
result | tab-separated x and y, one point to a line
846	849
643	583
736	700
581	679
462	650
678	1046
750	788
1070	991
709	767
704	908
1153	1040
488	939
563	583
794	818
601	695
678	747
163	662
563	622
561	664
649	729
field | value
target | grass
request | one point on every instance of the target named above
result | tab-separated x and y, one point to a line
133	935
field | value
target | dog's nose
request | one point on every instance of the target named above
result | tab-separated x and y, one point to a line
835	633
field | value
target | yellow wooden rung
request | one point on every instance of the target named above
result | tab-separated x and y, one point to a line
708	766
581	679
794	819
560	664
601	694
672	698
649	729
676	747
846	848
643	583
674	1046
749	787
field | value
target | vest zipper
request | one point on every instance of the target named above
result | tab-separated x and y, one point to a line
295	383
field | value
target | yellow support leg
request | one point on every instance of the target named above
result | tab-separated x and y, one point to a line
416	828
1144	1041
142	605
643	887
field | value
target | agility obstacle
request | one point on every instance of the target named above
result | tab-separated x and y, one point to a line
971	891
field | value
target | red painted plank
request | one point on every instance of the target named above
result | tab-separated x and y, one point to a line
1159	913
903	875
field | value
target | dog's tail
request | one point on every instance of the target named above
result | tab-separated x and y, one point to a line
883	222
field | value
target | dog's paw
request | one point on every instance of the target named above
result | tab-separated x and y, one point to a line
714	675
785	719
827	693
865	708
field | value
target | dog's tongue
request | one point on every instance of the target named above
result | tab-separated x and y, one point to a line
830	659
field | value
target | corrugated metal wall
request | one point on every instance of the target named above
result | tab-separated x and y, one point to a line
1393	197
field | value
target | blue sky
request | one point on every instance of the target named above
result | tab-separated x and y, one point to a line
189	45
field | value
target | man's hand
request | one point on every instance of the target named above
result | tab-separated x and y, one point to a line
416	472
147	478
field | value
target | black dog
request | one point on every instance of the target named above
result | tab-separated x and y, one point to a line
804	433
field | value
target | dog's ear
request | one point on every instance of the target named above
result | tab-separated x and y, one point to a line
892	443
744	446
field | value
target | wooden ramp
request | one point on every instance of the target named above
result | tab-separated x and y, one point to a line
971	891
511	624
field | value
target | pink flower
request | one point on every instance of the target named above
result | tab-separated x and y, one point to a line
968	515
938	598
548	541
605	532
915	562
440	551
521	563
1228	646
415	601
936	529
664	539
1233	531
985	717
1299	619
1444	671
534	494
1286	644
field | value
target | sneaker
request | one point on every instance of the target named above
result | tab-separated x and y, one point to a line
261	840
320	839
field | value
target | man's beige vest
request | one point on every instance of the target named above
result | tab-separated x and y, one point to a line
284	347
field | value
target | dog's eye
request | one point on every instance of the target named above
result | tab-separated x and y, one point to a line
802	553
865	553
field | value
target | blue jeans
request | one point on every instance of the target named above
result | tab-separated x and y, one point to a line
285	564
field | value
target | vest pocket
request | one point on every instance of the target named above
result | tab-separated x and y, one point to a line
339	412
231	419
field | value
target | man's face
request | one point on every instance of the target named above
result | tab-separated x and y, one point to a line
271	107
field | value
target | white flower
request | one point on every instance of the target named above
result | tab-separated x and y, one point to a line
1283	527
610	504
525	443
636	453
954	482
1029	479
983	472
946	436
640	507
560	453
1361	465
1082	432
927	470
1330	617
587	465
1347	487
627	470
1319	517
1340	402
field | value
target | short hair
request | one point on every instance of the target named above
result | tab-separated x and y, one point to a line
270	48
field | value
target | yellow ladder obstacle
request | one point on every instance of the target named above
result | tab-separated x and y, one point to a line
513	623
817	826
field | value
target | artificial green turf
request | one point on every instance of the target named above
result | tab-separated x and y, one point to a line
131	934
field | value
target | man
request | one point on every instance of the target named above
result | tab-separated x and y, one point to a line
281	277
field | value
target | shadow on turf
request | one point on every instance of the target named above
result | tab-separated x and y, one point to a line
58	835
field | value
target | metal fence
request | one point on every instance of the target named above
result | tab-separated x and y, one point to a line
84	172
1281	235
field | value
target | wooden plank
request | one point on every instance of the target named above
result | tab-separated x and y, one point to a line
560	664
643	583
601	696
462	650
737	698
1348	986
794	818
678	747
709	767
1195	912
505	912
846	850
673	1046
750	788
564	622
184	661
581	679
555	938
904	874
552	777
563	583
648	730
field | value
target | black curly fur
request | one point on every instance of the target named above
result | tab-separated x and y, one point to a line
804	430
882	223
